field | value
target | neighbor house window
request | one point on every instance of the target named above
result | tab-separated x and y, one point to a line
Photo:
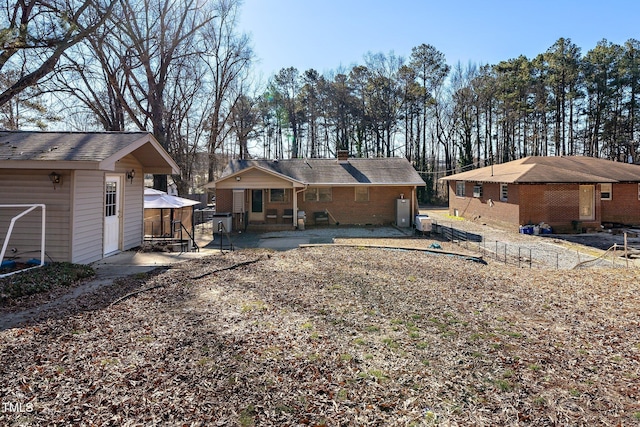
278	195
317	194
504	192
605	191
362	194
477	190
460	188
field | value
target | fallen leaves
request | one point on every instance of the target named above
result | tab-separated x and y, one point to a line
336	336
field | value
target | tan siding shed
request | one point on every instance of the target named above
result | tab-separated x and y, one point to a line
34	186
133	198
87	219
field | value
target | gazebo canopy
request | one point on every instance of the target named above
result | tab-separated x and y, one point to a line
156	199
163	212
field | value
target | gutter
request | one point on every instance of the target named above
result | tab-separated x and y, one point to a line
295	203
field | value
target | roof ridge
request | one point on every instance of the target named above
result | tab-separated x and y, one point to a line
74	131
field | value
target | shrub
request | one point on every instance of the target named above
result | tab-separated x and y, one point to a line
43	279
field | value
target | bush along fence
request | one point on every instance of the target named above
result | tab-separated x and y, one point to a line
537	254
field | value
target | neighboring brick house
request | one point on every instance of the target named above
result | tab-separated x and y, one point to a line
570	193
345	190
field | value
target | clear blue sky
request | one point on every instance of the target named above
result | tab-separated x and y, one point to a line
328	34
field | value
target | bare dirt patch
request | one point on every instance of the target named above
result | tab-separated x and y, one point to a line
337	336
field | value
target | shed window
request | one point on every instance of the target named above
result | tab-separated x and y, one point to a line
362	194
504	192
460	188
605	191
111	192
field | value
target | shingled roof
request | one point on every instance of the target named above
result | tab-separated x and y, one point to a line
92	150
355	171
552	169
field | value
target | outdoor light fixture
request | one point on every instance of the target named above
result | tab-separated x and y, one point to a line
237	178
55	178
130	175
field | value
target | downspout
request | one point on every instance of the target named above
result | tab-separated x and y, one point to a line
413	206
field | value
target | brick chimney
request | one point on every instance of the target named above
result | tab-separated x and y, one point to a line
343	155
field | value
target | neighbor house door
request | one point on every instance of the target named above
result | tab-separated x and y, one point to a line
257	206
587	200
112	227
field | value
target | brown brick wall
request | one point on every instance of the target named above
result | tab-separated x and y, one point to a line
224	200
554	204
279	206
379	210
624	206
487	208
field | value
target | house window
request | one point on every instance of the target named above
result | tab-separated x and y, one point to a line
362	194
311	194
278	195
324	194
504	192
318	194
605	191
477	190
460	188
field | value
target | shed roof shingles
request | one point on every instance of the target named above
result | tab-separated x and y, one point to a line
64	146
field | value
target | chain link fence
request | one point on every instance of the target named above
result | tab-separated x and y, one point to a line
535	254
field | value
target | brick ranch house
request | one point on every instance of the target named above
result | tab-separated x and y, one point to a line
570	193
357	191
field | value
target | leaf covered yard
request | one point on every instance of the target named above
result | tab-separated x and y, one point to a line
336	336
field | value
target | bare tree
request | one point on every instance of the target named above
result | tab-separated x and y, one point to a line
244	119
227	58
25	108
168	67
93	81
36	33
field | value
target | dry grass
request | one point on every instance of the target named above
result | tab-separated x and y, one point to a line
338	336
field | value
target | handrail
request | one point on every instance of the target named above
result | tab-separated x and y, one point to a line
223	229
195	244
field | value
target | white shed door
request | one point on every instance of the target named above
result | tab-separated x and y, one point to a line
112	214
